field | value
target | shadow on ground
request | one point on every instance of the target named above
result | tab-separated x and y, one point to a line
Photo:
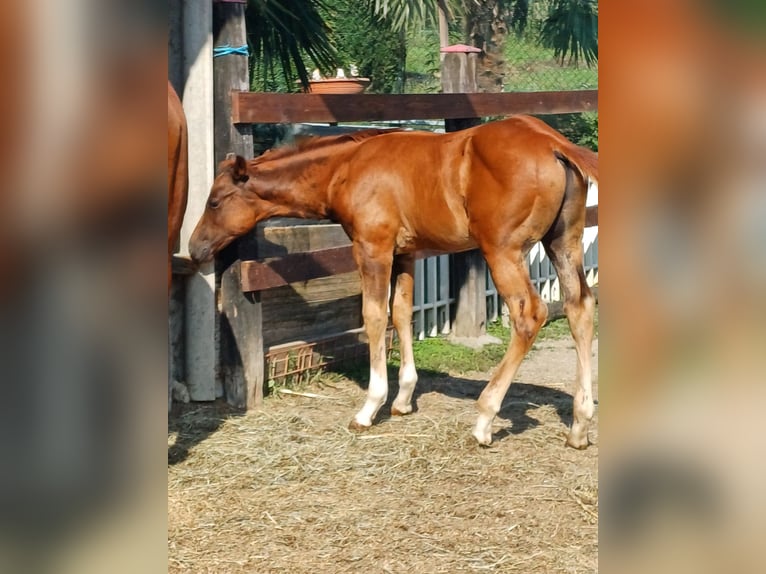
193	423
521	397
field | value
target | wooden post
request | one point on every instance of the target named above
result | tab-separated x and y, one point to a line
469	268
240	336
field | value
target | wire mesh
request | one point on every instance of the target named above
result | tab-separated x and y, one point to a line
299	362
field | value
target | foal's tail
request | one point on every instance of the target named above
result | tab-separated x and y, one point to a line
580	163
581	160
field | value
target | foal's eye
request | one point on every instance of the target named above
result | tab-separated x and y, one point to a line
213	203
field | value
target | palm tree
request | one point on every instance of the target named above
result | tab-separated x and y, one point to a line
403	13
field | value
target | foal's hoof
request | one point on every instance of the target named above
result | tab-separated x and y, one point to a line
482	431
484	439
400	413
579	444
357	427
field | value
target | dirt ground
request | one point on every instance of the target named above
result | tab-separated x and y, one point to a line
290	489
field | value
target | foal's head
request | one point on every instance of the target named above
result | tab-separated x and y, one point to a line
233	208
237	201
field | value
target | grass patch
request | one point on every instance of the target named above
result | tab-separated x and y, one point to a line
532	67
439	354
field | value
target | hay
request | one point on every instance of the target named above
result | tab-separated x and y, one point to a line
290	489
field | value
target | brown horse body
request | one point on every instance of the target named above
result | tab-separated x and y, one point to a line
178	172
501	187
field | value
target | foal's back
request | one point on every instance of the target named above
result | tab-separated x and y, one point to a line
430	190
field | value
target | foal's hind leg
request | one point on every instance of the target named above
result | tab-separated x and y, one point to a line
401	312
566	253
528	313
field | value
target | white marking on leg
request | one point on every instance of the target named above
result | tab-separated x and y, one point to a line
489	404
482	432
377	393
583	407
408	377
586	402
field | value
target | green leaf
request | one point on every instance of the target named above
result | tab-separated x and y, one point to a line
280	31
571	30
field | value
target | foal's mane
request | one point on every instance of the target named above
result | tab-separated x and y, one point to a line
310	143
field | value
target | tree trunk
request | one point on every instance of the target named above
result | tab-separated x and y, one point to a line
486	29
443	24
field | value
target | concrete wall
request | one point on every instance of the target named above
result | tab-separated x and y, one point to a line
190	67
175	44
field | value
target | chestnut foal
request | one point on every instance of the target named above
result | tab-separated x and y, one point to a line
501	187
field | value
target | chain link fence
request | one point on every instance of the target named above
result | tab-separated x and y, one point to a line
511	61
532	67
522	65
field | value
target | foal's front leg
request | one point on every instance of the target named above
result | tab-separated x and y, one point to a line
375	268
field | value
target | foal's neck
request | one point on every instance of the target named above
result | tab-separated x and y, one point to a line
298	184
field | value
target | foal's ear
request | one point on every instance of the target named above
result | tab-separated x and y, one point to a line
239	168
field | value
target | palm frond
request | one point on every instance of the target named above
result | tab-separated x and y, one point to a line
281	31
518	14
413	13
571	30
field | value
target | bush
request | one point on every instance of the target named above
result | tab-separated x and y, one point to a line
581	128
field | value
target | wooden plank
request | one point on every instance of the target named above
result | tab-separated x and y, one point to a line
257	275
295	267
312	309
256	107
591	216
279	241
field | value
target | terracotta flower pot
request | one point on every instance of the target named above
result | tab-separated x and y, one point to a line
338	86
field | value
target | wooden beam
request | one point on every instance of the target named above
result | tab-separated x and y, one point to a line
257	275
254	107
296	267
